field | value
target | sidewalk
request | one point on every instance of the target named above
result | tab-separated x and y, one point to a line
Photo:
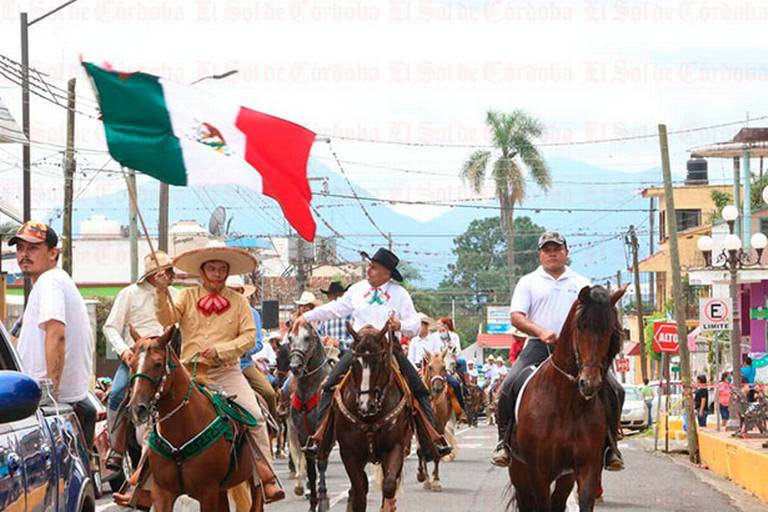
743	461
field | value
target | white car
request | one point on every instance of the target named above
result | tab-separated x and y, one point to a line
634	414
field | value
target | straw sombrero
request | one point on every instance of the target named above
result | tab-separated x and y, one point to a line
240	261
237	281
164	262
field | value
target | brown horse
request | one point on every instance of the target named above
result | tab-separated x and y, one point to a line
563	423
492	400
372	417
434	375
475	400
162	390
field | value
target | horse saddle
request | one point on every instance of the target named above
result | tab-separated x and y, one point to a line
519	384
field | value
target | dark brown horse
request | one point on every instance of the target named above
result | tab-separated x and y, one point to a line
162	391
563	423
371	410
434	373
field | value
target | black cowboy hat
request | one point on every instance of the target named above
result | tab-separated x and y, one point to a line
335	287
388	259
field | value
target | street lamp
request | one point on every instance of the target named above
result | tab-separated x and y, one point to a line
732	258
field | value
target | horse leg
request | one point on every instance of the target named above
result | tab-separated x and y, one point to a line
563	489
358	480
257	499
163	500
299	463
312	483
392	467
322	491
588	478
210	499
421	473
436	477
540	490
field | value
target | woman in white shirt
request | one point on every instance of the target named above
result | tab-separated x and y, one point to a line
450	340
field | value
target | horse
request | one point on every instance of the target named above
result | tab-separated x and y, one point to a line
562	422
434	375
309	366
162	390
492	400
475	400
372	416
282	368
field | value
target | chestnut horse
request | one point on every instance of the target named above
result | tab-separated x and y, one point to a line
163	391
434	375
562	422
371	412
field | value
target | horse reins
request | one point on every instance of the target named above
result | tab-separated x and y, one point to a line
577	360
377	394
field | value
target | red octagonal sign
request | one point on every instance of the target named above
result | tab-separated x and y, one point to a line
665	337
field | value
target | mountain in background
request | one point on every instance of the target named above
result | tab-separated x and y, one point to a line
596	238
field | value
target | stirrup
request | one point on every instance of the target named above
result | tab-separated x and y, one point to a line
500	456
612	461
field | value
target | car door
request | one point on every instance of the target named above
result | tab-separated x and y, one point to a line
12	495
34	448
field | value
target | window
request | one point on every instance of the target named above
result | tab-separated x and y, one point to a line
687	219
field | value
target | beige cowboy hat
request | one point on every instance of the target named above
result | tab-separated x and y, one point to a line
237	281
239	261
426	319
491	358
152	266
306	298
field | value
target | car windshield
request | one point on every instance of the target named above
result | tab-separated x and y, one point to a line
632	393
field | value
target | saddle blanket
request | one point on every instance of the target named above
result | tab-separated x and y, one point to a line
520	384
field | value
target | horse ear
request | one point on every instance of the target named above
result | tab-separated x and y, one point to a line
134	333
584	295
352	331
618	294
166	336
444	353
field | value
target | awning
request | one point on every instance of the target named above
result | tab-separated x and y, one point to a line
633	350
495	340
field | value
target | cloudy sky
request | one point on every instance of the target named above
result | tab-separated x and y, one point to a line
412	71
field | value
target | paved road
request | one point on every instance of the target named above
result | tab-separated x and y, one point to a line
650	483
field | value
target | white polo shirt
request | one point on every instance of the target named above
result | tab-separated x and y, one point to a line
545	300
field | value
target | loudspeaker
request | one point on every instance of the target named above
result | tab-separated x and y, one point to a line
270	314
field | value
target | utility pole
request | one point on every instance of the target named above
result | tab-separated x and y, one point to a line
621	323
677	293
69	178
133	231
737	192
638	303
162	219
26	156
652	225
301	271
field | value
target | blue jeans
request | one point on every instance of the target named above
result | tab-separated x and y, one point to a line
119	386
454	383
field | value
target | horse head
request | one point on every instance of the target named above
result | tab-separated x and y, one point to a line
371	367
304	344
435	371
150	368
595	335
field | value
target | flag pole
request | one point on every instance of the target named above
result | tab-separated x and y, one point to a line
135	202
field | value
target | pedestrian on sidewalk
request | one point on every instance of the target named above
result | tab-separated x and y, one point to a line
647	392
701	400
724	396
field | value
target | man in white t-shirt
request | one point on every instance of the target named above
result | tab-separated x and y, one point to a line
423	342
56	342
540	304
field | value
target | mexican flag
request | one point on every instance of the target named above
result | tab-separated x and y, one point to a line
183	136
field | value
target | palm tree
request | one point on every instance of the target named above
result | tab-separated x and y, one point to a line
514	150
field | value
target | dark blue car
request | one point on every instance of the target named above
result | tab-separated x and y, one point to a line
43	460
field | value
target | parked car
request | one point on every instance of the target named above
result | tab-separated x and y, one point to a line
634	414
44	464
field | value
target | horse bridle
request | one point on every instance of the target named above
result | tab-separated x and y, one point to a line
577	360
306	357
159	384
376	394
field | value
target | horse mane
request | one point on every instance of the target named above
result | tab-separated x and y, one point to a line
594	312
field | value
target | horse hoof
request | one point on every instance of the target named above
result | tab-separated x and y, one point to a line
420	477
298	490
427	486
436	487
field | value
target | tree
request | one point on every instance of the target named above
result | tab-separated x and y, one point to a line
512	135
481	262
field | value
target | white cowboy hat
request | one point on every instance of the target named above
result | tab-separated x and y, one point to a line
164	262
239	261
306	298
426	319
236	281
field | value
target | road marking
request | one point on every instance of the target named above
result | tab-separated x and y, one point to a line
470	445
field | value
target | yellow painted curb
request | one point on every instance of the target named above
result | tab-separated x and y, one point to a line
736	461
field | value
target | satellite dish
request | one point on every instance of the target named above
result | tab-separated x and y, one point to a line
217	220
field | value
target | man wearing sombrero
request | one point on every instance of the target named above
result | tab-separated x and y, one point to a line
133	306
217	328
373	302
336	328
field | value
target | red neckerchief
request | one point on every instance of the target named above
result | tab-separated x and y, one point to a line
212	303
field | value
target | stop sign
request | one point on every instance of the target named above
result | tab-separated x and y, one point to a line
665	337
622	365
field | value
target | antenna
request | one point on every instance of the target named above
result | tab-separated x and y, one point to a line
217	221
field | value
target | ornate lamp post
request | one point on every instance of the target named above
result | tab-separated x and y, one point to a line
734	257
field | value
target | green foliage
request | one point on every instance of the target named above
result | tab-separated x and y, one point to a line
481	262
8	228
103	307
721	200
648	334
756	193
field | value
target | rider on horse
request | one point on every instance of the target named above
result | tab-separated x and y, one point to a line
217	328
374	302
540	305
